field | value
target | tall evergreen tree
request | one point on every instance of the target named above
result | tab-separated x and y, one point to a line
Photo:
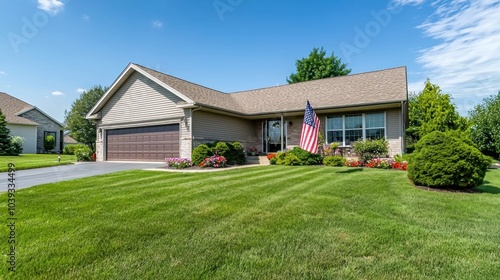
4	136
431	110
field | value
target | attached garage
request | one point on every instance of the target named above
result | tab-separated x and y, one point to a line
152	143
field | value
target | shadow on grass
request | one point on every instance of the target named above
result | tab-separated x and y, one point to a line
350	170
487	188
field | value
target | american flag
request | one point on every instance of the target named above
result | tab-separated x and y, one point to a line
310	130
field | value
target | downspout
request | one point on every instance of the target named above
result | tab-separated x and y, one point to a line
282	133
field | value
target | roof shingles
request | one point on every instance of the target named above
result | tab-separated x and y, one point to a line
12	106
377	87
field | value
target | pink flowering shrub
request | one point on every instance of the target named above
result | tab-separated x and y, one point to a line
214	161
178	163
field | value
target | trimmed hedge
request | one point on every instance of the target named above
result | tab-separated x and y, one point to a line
297	156
232	151
441	160
334	161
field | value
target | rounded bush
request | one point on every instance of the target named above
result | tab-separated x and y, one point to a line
236	154
441	160
83	153
200	153
49	143
305	157
16	145
220	149
334	161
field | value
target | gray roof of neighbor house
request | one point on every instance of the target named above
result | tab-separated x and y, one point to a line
13	108
370	88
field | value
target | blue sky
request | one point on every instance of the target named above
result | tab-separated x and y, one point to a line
52	50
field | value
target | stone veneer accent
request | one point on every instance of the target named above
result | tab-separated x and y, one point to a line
45	124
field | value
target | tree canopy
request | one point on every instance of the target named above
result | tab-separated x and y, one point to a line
431	110
318	66
485	130
82	129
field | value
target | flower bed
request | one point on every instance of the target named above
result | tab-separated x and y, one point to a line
214	161
178	163
382	163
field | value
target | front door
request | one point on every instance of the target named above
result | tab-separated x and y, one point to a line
271	135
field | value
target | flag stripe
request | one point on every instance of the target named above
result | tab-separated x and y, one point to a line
310	130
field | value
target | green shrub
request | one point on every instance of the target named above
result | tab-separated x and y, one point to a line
279	158
334	161
236	154
220	149
16	145
300	157
370	149
70	149
200	153
49	143
441	160
305	157
291	159
83	153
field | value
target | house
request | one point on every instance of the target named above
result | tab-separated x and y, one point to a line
30	123
68	140
147	115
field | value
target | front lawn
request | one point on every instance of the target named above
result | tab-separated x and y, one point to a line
270	222
29	161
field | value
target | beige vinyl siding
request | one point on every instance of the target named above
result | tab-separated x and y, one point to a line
211	127
393	123
140	99
394	131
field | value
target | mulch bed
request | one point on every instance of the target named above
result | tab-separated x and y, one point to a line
450	190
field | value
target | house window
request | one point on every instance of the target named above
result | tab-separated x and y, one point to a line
346	129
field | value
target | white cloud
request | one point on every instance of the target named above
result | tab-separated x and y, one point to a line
465	61
408	2
85	17
2	73
57	93
80	90
51	6
157	24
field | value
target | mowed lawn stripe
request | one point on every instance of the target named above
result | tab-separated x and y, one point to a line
269	222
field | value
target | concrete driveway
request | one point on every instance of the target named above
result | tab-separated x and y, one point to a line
38	176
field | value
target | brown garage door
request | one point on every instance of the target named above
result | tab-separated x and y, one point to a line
152	143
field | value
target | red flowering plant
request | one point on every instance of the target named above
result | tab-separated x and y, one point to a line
403	165
379	163
214	161
271	155
353	163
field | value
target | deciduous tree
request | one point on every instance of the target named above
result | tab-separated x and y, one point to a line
82	129
318	66
485	130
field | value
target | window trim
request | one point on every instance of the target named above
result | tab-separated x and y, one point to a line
364	128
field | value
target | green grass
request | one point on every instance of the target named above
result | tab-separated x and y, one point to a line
272	222
29	161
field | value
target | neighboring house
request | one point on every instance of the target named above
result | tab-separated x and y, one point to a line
68	140
31	123
147	115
